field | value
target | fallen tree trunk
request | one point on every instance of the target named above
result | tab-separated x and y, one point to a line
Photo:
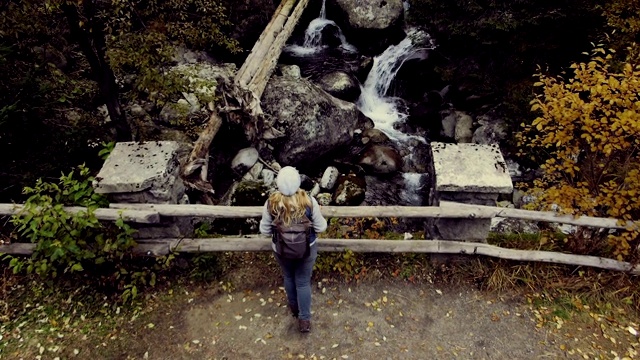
259	82
249	84
261	47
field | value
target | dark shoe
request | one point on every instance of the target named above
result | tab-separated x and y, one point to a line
294	310
304	326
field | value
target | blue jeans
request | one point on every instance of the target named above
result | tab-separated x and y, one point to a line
297	281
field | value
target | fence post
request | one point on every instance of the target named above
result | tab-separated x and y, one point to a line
146	173
471	174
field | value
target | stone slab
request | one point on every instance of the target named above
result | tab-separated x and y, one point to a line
470	168
137	166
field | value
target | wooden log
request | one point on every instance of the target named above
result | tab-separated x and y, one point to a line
261	47
405	246
142	249
327	211
545	216
160	247
268	64
199	157
142	216
17	249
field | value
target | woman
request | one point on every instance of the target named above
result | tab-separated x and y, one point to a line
290	204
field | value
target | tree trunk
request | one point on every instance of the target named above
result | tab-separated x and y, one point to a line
90	36
249	84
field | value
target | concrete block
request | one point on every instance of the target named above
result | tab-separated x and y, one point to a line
470	168
133	167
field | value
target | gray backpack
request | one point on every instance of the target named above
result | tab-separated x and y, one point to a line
292	242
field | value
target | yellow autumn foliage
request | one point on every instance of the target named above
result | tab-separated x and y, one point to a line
587	138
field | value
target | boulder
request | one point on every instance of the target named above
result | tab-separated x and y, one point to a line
381	159
291	71
203	78
268	177
137	110
244	160
372	14
491	131
324	199
173	113
246	193
314	122
340	85
363	68
183	56
370	25
464	129
449	120
329	178
350	191
374	136
52	56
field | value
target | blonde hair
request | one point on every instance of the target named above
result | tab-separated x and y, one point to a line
289	208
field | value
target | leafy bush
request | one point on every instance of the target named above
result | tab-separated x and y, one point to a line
69	242
144	35
587	138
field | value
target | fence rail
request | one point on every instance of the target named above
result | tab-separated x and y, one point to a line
153	213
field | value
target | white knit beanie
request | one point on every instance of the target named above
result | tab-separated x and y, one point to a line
288	180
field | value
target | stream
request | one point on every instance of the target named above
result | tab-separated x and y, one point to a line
387	113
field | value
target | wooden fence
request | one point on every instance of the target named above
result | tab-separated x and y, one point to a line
152	213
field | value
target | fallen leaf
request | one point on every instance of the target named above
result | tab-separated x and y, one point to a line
439	292
334	346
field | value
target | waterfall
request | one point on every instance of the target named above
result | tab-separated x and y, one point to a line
372	102
413	188
313	35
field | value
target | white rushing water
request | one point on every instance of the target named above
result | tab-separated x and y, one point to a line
413	188
313	36
373	101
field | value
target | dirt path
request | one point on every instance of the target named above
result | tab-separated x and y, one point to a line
389	321
378	319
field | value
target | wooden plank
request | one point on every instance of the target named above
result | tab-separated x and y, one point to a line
545	216
327	211
268	64
262	46
142	216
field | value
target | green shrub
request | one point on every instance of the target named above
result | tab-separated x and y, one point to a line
76	242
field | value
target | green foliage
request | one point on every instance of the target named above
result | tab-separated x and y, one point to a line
623	17
144	35
347	264
492	47
205	267
586	138
361	228
46	98
76	242
107	148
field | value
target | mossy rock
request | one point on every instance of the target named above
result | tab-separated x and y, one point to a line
350	191
249	193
